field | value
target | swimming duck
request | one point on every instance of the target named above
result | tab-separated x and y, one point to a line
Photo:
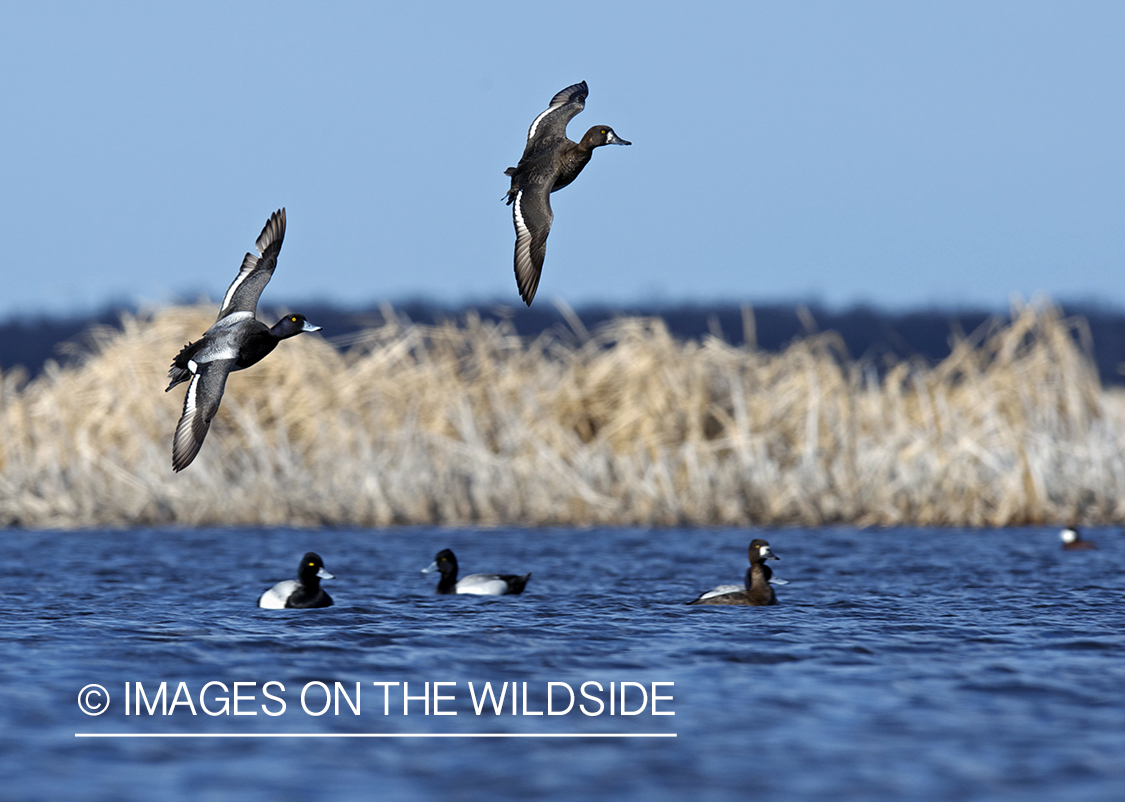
757	591
1072	540
476	584
550	161
236	341
305	591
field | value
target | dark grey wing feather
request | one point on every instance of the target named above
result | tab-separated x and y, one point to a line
552	122
200	405
531	214
246	289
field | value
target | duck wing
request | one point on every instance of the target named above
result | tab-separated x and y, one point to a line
532	216
204	393
719	590
551	123
244	291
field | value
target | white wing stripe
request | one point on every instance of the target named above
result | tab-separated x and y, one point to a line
523	236
251	262
536	121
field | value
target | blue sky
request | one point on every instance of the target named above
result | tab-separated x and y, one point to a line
901	154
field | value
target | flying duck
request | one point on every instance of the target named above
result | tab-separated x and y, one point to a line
550	161
236	341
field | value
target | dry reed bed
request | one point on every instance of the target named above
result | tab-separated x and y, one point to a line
467	423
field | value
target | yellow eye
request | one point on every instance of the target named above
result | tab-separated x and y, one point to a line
293	318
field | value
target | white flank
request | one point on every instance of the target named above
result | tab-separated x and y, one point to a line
482	585
275	597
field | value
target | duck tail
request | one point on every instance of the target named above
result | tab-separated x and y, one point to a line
510	197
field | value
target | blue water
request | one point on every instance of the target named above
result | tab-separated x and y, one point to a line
899	665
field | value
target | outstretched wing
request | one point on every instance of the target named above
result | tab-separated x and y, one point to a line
200	405
244	291
531	213
552	122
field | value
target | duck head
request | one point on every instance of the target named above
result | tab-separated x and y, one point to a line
602	135
444	562
312	570
291	326
760	551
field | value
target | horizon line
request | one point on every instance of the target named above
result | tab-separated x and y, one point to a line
375	735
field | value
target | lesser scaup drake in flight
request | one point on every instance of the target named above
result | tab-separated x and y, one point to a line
550	161
476	584
305	591
757	592
1072	540
237	340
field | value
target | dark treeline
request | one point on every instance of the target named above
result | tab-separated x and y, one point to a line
866	331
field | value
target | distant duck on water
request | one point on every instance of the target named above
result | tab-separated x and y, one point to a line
757	591
550	162
236	341
305	591
1072	540
475	584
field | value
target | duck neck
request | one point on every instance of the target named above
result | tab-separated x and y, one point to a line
755	576
757	582
448	582
310	581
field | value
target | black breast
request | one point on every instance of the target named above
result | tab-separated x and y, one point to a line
570	163
255	345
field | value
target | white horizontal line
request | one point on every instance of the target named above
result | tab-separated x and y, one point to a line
374	735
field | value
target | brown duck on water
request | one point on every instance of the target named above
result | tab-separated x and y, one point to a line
757	592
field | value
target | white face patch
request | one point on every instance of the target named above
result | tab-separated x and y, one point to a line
192	365
763	551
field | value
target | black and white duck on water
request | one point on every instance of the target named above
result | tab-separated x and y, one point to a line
236	341
476	584
757	592
305	591
1072	540
550	161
